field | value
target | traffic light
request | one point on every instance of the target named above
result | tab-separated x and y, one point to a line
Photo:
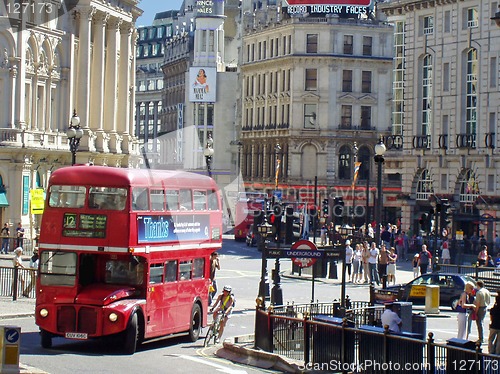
274	219
338	210
325	208
445	216
292	226
424	222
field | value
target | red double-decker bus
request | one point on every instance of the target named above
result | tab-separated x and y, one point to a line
246	204
125	254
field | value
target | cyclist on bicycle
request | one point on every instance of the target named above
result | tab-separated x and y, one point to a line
224	304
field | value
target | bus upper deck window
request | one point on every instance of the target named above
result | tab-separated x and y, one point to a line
186	200
67	196
140	198
172	200
200	200
213	203
109	198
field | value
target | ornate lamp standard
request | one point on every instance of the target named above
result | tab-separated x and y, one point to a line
277	291
208	153
74	134
379	159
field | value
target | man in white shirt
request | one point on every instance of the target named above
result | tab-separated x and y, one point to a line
372	263
391	319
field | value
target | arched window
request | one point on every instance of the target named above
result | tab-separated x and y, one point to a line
424	186
345	162
427	95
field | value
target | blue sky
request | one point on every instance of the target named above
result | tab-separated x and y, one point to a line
151	7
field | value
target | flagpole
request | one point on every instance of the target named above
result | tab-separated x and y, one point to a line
355	176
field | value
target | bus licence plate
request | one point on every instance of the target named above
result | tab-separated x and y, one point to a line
76	335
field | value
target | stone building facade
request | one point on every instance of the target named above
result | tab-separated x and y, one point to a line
80	59
319	87
446	90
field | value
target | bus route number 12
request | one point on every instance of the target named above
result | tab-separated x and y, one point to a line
69	221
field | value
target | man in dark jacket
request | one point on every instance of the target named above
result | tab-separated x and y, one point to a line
494	338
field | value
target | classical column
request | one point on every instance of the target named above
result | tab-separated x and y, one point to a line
20	93
155	127
110	87
146	123
97	83
12	103
83	80
124	82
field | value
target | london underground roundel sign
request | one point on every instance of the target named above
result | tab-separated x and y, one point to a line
302	253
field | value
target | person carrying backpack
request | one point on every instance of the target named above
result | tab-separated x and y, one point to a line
223	304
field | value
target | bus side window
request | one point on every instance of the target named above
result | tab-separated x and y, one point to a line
185	270
140	198
171	271
200	200
156	273
172	200
157	200
186	200
198	268
213	203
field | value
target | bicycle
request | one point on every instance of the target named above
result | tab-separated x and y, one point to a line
213	330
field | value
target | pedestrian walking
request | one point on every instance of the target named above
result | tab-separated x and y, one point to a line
423	259
391	266
365	254
494	337
481	302
445	252
349	253
383	262
19	235
214	266
17	261
463	308
5	233
357	264
372	263
416	269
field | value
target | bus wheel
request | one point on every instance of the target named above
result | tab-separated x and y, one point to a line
131	335
46	339
195	329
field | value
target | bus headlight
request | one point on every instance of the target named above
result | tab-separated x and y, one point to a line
44	313
113	317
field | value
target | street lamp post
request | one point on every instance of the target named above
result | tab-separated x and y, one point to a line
264	228
354	160
277	291
240	146
208	153
74	134
379	159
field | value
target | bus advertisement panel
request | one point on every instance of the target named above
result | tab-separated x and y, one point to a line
118	246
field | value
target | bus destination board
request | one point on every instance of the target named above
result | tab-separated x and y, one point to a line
89	225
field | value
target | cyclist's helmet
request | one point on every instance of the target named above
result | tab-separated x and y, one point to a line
228	288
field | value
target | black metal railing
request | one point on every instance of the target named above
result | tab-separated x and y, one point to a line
489	140
422	142
17	282
465	141
367	349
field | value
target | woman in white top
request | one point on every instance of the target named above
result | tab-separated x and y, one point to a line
357	264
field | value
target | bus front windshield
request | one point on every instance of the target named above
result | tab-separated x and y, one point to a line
58	268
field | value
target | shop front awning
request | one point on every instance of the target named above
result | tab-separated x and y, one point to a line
3	200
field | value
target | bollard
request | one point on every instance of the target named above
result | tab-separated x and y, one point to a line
431	299
10	339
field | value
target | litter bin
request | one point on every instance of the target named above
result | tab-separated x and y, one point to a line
419	324
457	351
403	309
